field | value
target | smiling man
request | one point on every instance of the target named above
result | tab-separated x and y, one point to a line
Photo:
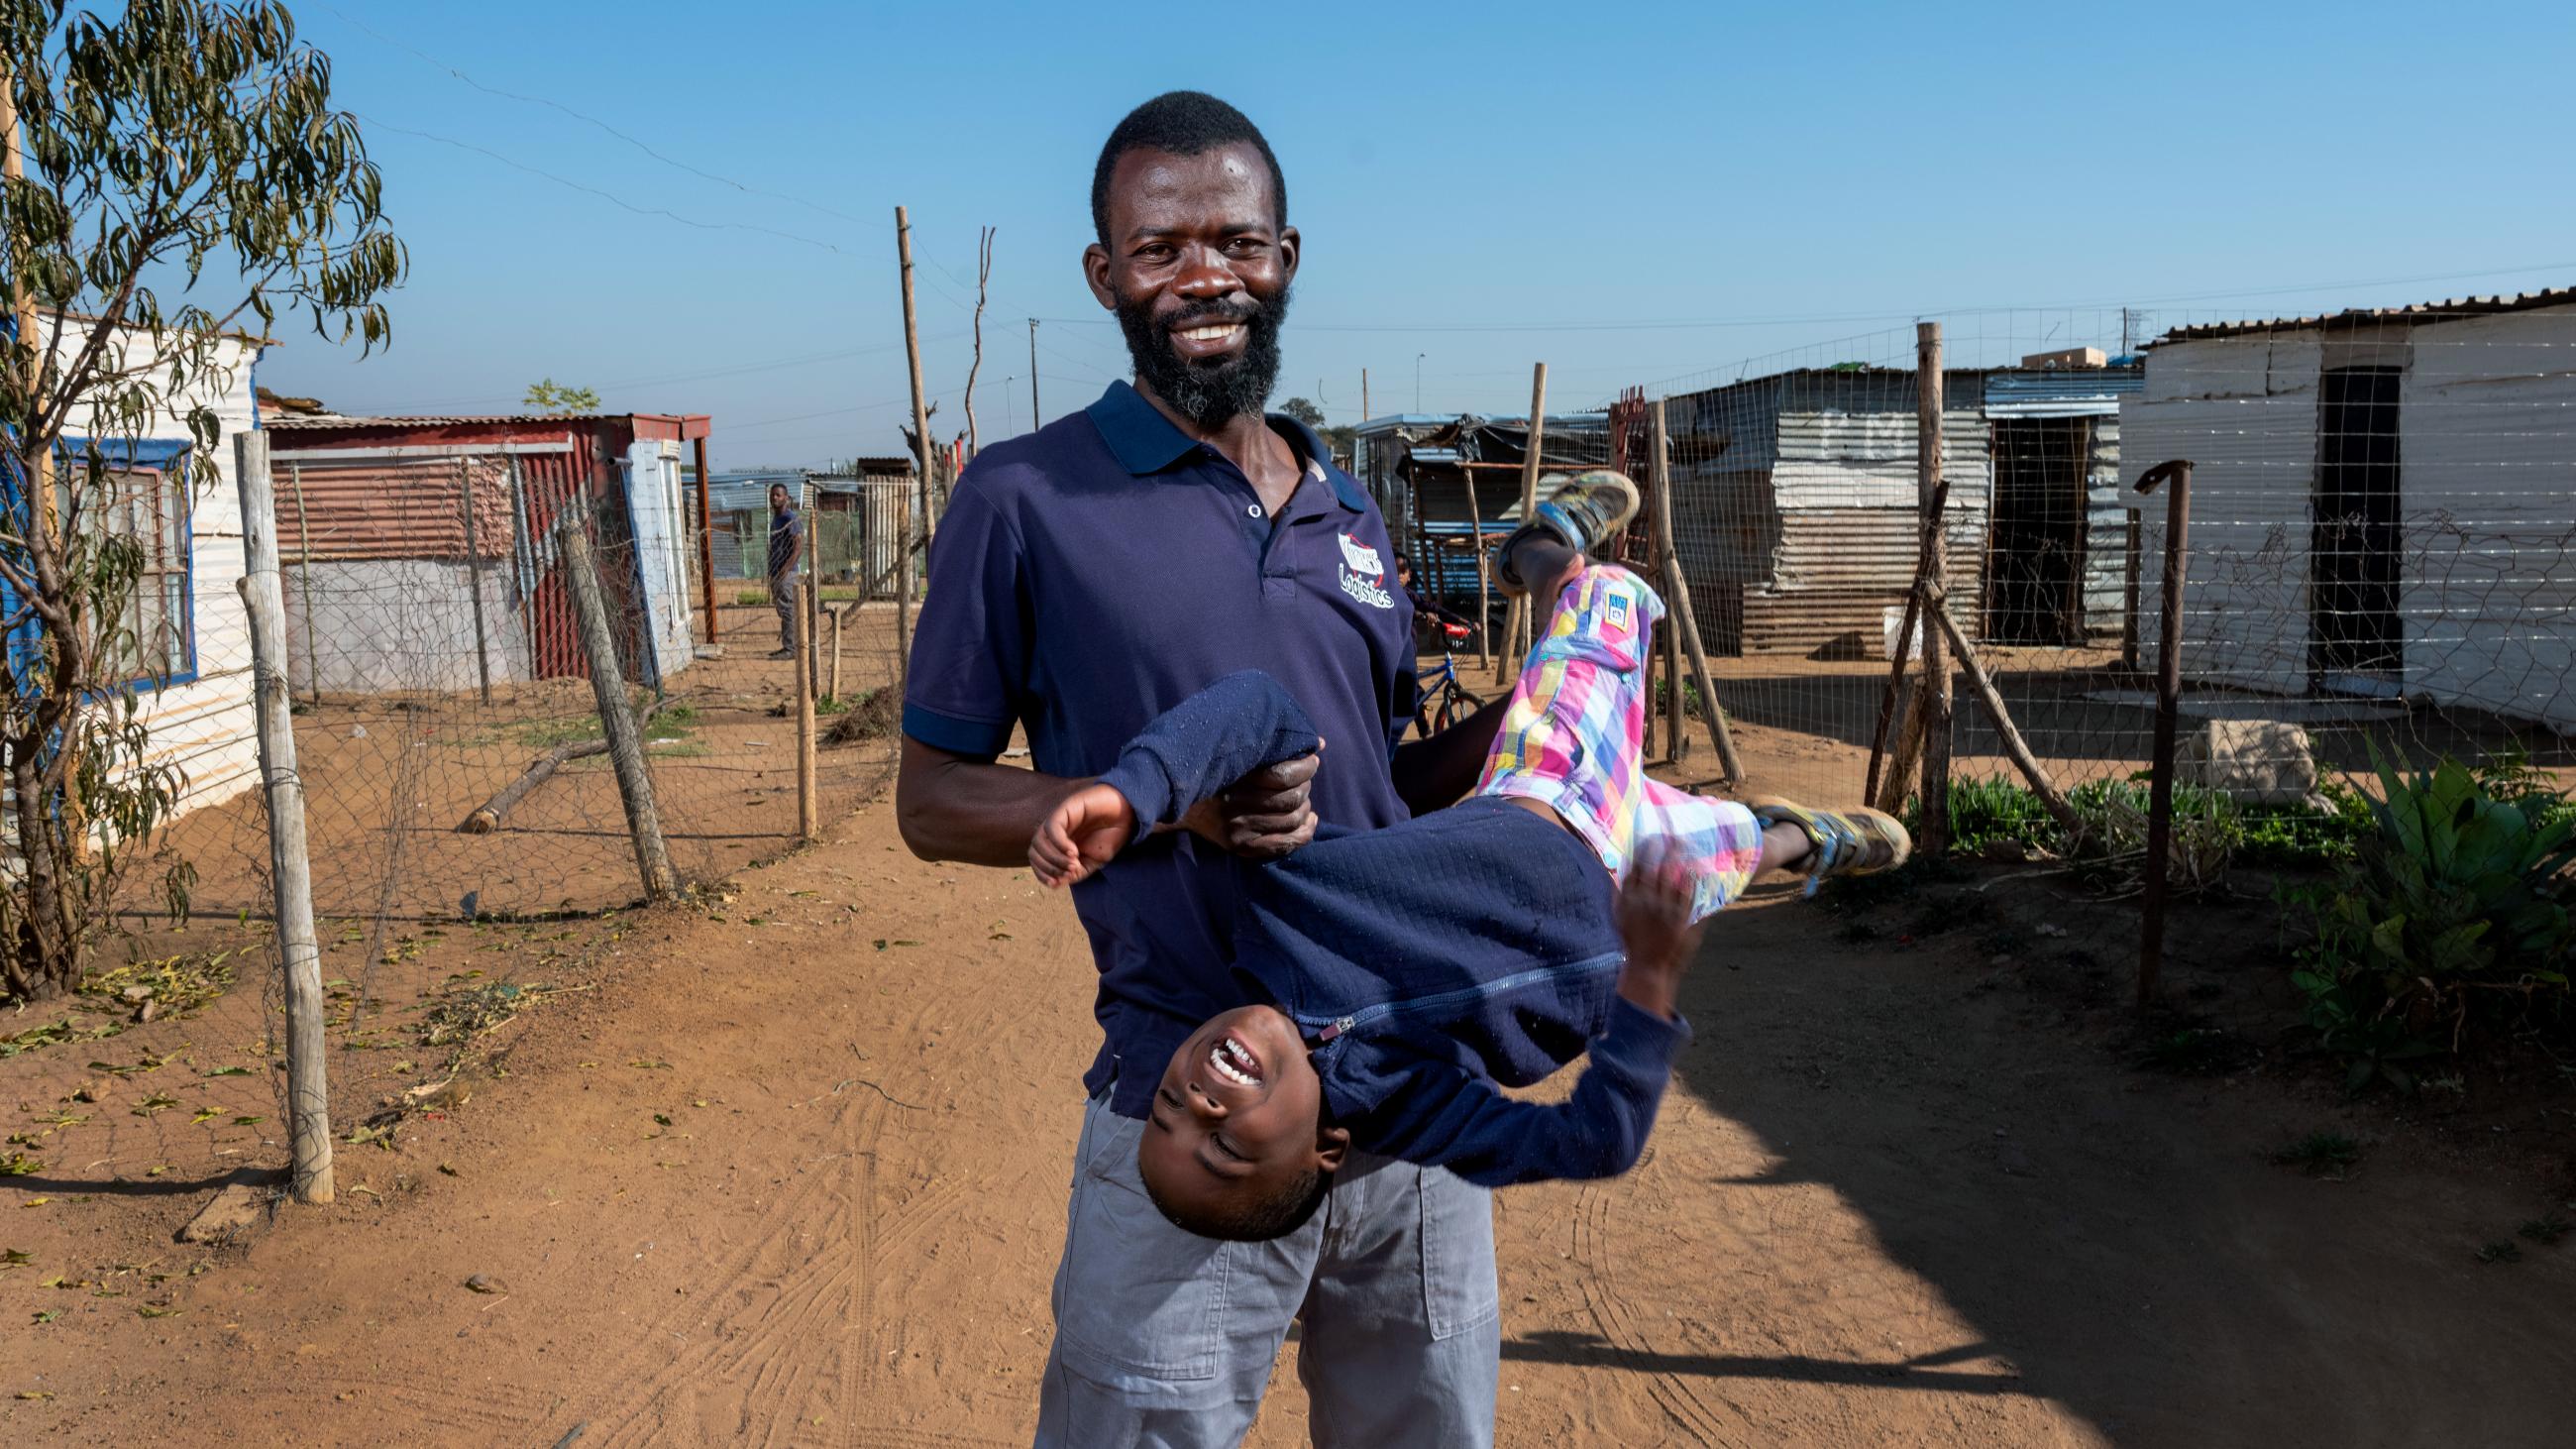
1089	576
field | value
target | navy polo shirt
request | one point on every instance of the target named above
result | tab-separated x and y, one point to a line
1089	576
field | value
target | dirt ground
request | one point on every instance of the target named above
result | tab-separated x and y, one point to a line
789	1166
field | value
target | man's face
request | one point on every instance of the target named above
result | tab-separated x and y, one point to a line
777	498
1198	269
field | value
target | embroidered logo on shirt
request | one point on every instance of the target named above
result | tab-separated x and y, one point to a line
1363	574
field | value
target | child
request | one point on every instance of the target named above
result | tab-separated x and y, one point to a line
1412	970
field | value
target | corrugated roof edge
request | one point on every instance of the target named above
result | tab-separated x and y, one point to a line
2354	316
335	420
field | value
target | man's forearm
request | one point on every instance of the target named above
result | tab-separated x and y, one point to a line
953	808
1435	773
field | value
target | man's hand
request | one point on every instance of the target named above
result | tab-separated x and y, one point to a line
1655	925
1084	832
1262	816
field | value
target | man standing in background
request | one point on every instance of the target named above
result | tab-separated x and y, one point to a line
786	550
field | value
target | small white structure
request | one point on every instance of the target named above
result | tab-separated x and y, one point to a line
2383	502
194	675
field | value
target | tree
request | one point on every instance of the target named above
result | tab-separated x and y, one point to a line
1303	411
555	400
181	175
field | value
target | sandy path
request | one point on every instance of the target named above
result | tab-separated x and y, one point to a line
1886	1205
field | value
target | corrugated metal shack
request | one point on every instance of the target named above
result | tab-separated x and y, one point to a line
2383	502
1377	460
399	531
1437	467
2058	557
1795	511
1798	522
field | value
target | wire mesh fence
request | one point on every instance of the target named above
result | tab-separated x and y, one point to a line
2379	543
455	764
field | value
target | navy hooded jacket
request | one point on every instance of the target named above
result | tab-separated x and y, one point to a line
1428	963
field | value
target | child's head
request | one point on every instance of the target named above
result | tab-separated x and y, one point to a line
1236	1147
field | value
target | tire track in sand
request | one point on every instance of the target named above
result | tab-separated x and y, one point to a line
772	1325
1700	1415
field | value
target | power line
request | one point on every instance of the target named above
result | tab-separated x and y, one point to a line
589	119
1784	319
609	197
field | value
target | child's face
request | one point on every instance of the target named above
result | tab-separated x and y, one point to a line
1235	1117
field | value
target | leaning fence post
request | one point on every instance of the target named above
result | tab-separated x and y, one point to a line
805	804
308	1088
1681	618
1933	834
616	712
2160	787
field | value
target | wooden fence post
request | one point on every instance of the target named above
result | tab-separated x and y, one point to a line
308	1088
2151	899
707	540
1484	580
1679	616
1933	830
474	581
616	712
921	445
1521	627
806	806
304	580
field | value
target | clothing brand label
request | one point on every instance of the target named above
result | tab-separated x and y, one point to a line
1364	574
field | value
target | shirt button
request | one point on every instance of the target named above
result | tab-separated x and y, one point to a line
1252	510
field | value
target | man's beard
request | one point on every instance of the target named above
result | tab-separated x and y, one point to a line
1211	393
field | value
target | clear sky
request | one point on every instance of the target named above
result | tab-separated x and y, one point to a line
1632	195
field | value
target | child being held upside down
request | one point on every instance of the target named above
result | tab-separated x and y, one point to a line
1412	972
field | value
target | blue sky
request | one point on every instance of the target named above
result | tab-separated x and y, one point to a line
1635	195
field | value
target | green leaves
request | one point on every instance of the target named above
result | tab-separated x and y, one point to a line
2447	915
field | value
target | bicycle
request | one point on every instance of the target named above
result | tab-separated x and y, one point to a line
1439	700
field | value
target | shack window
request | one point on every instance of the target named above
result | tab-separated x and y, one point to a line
151	641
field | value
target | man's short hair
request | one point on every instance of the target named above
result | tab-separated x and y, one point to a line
1183	123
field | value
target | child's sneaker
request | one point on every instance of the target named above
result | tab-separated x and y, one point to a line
1859	841
1582	512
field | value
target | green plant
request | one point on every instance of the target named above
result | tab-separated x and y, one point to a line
2546	1229
2447	913
1987	809
2500	1252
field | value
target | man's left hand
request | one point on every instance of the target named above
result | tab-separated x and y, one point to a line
1264	815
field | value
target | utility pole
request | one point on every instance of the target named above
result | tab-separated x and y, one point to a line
1033	374
1417	380
1364	404
921	455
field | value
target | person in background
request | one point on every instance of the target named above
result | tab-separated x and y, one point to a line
786	551
1428	611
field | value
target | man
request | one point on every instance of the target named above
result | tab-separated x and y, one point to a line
1087	577
786	550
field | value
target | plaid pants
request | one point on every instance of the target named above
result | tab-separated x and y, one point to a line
1574	740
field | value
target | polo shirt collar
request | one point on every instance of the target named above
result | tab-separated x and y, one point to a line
1144	441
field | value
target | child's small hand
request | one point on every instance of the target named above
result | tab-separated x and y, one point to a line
1084	832
1654	915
